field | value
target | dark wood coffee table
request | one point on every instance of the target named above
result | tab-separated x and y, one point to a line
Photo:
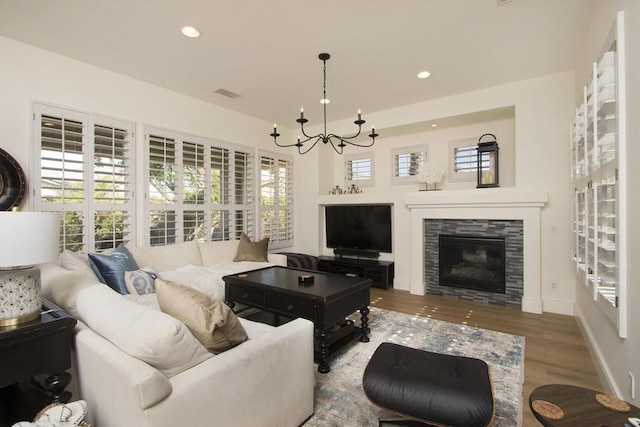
580	407
326	302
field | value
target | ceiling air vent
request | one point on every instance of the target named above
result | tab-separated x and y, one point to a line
501	2
227	93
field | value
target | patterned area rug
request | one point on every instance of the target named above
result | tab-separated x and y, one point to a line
340	399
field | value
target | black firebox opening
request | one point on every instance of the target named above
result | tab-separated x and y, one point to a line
472	262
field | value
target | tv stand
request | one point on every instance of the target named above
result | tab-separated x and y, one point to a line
380	272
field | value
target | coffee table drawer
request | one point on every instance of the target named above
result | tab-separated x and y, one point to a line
248	296
291	307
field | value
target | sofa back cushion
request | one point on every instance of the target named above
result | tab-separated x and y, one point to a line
142	332
62	286
213	253
168	257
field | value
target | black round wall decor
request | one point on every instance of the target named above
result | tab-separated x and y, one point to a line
12	182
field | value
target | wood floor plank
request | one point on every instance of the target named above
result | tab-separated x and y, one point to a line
555	349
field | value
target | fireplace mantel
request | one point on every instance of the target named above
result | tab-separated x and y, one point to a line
490	203
480	198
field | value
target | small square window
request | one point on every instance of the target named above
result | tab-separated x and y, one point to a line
463	164
406	162
359	170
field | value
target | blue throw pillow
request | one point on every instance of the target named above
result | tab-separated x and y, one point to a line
110	268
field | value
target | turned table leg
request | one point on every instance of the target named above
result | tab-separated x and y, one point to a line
364	311
323	365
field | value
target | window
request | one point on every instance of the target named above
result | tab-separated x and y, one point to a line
359	170
406	162
198	190
463	164
276	199
84	172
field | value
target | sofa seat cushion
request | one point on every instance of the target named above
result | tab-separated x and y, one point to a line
140	331
209	319
208	280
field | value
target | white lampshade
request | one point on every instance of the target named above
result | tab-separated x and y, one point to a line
28	238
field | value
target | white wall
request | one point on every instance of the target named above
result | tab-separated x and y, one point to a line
437	143
31	74
543	109
618	356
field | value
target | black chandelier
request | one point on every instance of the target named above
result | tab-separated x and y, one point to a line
337	142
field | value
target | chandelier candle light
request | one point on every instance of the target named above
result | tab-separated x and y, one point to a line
337	142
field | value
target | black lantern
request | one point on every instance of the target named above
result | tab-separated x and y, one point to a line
488	161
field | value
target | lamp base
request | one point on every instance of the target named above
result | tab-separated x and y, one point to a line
20	299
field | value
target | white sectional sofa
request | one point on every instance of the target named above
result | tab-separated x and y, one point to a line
135	366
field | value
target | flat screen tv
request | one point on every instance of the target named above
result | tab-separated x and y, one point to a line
358	227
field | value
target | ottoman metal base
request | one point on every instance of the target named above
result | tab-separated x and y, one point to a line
430	387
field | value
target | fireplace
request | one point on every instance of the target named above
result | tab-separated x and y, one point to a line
472	262
497	212
493	283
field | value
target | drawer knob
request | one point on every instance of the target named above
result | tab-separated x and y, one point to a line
290	307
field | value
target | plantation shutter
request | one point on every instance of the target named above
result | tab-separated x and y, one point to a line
276	200
199	190
85	173
359	169
162	190
220	194
112	186
465	159
243	194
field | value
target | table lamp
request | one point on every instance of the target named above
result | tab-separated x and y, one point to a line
26	239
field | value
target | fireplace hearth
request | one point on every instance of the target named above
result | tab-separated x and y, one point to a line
472	262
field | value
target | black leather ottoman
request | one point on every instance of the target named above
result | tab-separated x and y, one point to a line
430	387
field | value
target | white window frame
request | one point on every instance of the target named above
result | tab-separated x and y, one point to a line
238	215
359	182
469	175
420	150
82	174
279	229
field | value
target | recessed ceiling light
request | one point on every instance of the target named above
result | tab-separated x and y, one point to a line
423	74
434	125
190	31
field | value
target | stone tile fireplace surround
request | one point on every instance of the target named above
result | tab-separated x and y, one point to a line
510	230
481	204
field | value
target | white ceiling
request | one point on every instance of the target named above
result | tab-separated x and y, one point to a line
267	51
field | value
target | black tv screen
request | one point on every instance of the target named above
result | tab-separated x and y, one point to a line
362	227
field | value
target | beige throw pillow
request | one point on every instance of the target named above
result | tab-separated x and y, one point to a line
209	319
252	251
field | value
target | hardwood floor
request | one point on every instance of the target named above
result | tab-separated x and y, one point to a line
555	350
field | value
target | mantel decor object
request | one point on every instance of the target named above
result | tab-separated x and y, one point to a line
26	239
430	174
488	161
353	189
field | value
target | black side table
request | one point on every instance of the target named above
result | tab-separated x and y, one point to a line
40	347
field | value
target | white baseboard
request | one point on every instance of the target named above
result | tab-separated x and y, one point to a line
601	365
401	284
558	306
531	305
